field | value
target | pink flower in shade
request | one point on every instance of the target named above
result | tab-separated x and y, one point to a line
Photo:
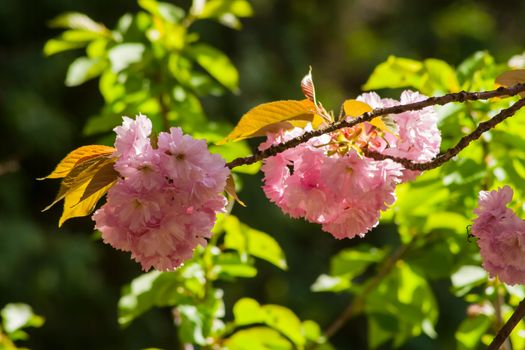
167	198
327	181
501	236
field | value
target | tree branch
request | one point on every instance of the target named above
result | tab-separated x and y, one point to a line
505	331
431	101
451	152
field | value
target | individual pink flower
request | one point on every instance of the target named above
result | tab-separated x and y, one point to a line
167	198
501	236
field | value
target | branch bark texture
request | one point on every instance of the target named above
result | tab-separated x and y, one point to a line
462	96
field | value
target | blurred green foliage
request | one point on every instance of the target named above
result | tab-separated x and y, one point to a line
75	282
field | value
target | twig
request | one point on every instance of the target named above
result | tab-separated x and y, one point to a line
451	152
505	331
431	101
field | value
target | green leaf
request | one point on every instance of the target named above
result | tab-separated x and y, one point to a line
403	306
248	311
466	278
16	316
160	289
247	240
217	64
83	69
225	11
258	338
327	283
54	46
470	331
165	10
76	20
396	72
353	261
227	266
198	319
123	55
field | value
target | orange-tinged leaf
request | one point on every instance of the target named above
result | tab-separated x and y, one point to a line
73	207
80	174
79	155
271	116
230	189
105	175
512	77
355	108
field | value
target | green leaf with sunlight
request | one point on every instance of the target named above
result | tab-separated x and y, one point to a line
470	331
246	240
217	64
157	289
84	68
402	306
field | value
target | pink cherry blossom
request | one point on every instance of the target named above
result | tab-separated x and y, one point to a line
167	198
501	236
328	181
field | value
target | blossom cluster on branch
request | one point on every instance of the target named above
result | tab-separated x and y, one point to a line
165	202
329	181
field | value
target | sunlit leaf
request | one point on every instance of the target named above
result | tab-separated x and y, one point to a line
355	108
76	20
217	64
353	261
157	289
466	278
105	176
83	69
258	338
403	306
54	46
225	11
394	73
248	311
327	283
470	331
271	117
78	155
511	78
75	206
16	316
123	55
230	189
247	240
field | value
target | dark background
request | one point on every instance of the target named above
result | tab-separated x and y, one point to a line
74	280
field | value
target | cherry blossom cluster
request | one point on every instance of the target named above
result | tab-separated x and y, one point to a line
329	181
165	202
501	236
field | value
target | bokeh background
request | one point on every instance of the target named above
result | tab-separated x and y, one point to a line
74	280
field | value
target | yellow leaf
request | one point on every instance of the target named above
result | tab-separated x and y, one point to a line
81	154
512	77
271	117
355	108
105	175
80	174
75	207
230	189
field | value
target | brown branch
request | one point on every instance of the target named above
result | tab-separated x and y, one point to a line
431	101
505	331
462	144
